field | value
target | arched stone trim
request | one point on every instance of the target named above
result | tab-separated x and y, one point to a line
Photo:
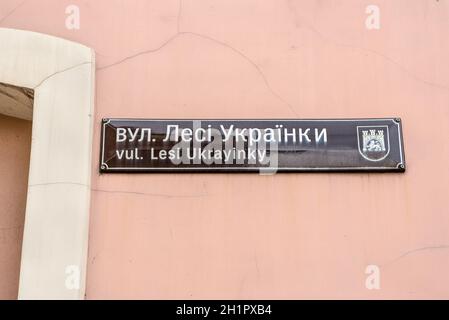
62	75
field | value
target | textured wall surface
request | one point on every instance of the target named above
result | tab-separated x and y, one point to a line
15	140
283	236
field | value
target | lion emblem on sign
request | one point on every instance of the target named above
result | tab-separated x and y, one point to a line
373	142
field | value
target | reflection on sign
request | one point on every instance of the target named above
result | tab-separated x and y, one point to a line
132	145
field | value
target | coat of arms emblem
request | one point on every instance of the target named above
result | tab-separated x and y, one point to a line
374	142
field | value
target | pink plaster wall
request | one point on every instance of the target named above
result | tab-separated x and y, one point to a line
284	236
15	140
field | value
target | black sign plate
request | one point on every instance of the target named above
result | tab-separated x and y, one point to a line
267	146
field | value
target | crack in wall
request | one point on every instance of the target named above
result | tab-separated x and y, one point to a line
10	13
149	194
376	53
320	34
160	195
58	183
61	71
138	54
413	251
204	37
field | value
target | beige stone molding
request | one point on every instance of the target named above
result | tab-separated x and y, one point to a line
61	74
